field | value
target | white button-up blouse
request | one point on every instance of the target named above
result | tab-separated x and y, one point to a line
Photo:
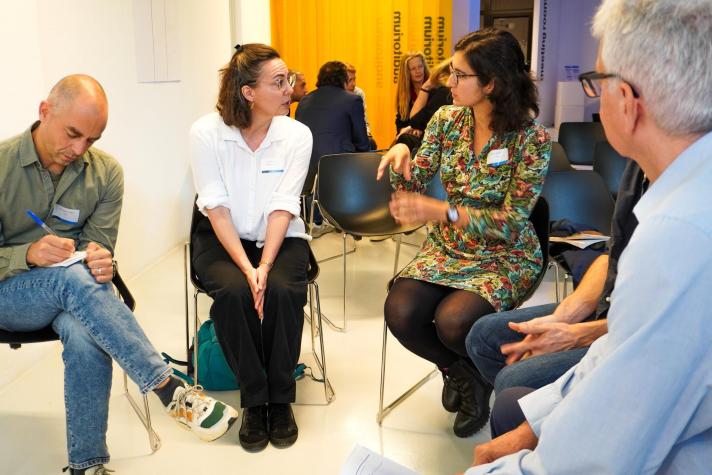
251	184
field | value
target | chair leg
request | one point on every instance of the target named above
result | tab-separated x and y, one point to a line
195	337
556	280
399	239
145	416
341	328
567	277
384	411
329	392
186	269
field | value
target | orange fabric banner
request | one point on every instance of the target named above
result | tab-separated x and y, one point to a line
370	34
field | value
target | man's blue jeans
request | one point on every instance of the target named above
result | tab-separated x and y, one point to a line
490	332
95	327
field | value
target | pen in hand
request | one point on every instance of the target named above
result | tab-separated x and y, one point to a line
40	223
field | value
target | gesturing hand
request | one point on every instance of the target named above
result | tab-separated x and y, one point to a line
414	208
398	157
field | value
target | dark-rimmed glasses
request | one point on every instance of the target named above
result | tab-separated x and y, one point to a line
591	83
458	75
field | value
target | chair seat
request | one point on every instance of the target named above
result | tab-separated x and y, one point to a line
377	223
19	338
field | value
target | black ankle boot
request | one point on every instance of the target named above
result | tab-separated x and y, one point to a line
254	433
474	398
451	393
283	429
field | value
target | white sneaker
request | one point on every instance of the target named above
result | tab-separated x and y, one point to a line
208	418
93	470
318	230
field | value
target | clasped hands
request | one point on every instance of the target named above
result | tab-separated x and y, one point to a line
51	249
257	279
543	335
406	207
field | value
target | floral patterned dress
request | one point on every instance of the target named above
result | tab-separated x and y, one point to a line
497	254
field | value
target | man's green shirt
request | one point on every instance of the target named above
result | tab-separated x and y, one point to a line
85	206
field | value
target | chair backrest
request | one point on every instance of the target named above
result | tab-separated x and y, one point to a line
610	165
559	162
540	220
580	196
579	139
197	221
352	199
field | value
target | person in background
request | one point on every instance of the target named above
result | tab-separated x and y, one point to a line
352	87
482	254
54	171
432	96
640	400
250	249
336	120
299	85
412	74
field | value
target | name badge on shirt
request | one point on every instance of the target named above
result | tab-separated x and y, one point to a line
498	157
272	165
67	215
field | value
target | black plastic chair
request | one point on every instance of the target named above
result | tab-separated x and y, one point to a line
610	165
582	197
356	204
197	219
17	339
559	162
579	140
540	221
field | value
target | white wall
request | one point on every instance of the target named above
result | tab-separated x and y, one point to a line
44	40
568	41
250	22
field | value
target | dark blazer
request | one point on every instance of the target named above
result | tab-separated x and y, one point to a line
336	120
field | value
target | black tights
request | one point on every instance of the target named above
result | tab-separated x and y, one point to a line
432	320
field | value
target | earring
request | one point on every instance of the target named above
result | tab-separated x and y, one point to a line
252	105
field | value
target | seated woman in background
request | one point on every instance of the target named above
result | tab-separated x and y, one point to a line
251	253
482	254
413	71
432	96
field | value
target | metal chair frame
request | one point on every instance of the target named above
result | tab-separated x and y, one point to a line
47	334
316	325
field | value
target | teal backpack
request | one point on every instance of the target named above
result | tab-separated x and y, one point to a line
214	374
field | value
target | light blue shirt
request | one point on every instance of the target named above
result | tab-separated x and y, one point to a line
640	401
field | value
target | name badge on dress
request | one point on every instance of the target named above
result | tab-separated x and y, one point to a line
497	157
67	215
272	165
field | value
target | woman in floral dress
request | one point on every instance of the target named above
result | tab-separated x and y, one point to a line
482	254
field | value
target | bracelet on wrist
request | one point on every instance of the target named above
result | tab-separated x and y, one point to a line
266	263
427	91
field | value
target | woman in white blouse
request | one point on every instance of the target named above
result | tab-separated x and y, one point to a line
249	163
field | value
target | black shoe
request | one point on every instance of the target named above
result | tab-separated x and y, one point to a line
254	431
451	394
283	429
474	398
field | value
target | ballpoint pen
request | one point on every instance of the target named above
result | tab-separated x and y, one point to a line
40	223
